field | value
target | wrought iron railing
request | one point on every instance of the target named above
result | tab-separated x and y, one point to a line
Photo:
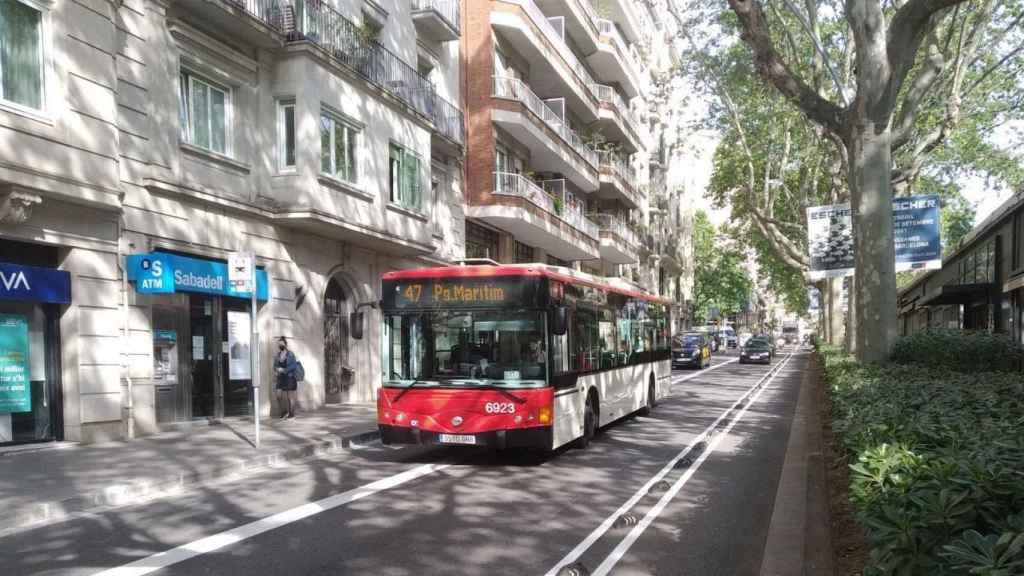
548	196
448	10
616	165
615	225
515	89
269	12
448	120
349	44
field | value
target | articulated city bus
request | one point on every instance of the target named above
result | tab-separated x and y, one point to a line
523	355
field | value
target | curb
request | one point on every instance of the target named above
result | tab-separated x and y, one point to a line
132	492
799	534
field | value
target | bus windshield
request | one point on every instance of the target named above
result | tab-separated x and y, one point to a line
466	348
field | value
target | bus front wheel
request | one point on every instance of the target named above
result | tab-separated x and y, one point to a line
589	423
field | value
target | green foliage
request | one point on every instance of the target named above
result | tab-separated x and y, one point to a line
937	456
720	276
959	351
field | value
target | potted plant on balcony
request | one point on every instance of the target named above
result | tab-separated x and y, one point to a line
557	203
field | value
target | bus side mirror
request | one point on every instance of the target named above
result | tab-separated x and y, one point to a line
355	323
559	322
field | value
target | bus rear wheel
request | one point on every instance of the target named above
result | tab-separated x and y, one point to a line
589	424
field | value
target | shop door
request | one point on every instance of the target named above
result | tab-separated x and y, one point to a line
204	362
35	329
338	375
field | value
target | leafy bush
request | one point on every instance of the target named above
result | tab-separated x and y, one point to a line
937	473
959	351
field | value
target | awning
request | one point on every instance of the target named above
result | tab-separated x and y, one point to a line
957	294
1015	283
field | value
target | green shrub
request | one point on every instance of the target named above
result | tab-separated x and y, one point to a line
937	473
959	351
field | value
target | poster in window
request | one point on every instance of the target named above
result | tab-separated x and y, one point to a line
239	360
15	390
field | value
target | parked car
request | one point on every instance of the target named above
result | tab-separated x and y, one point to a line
691	349
756	351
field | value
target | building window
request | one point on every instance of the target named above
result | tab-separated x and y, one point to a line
286	130
558	262
404	178
21	54
205	113
524	253
338	141
481	242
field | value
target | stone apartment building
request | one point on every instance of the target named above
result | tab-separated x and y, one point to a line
141	136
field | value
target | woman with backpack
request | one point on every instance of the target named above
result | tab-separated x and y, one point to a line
288	372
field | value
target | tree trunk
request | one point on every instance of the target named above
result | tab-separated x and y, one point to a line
850	319
874	253
834	311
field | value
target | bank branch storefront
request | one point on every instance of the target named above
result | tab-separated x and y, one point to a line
31	404
201	329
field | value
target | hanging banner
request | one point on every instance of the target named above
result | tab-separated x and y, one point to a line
916	225
830	241
239	359
15	386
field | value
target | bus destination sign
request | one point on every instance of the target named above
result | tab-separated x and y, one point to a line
454	292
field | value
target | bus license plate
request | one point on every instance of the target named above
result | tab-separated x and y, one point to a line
456	438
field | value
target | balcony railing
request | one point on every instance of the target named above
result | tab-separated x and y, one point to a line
515	89
448	120
609	30
448	10
609	95
550	196
267	11
538	17
615	225
317	22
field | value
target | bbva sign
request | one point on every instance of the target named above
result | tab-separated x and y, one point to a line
34	284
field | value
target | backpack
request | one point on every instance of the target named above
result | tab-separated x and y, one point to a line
300	372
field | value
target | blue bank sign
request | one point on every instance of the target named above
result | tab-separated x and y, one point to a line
32	284
916	222
163	273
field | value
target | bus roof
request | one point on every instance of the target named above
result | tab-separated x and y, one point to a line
560	273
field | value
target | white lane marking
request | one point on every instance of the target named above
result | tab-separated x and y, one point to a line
587	542
624	546
246	531
703	371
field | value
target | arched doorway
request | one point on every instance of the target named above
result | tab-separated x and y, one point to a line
337	371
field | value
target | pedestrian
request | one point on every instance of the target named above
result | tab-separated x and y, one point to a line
285	366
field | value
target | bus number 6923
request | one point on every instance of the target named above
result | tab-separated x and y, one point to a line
500	408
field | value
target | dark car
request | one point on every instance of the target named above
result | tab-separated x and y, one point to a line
756	351
692	349
762	340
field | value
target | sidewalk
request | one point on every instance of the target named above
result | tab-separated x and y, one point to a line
51	482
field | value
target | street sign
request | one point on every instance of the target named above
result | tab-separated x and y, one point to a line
240	275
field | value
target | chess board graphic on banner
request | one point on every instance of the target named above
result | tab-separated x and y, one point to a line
830	241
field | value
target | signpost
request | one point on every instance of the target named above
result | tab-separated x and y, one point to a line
242	278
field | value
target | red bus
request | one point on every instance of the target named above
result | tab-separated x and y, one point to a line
523	355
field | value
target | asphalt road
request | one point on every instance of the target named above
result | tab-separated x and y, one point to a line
652	495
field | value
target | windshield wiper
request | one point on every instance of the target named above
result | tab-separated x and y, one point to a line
407	388
504	392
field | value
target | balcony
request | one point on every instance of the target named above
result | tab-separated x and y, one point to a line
619	244
613	60
623	13
316	22
543	215
580	21
448	122
437	20
617	180
621	123
553	145
258	22
554	68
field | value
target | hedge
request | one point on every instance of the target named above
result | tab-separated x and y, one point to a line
937	479
959	351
